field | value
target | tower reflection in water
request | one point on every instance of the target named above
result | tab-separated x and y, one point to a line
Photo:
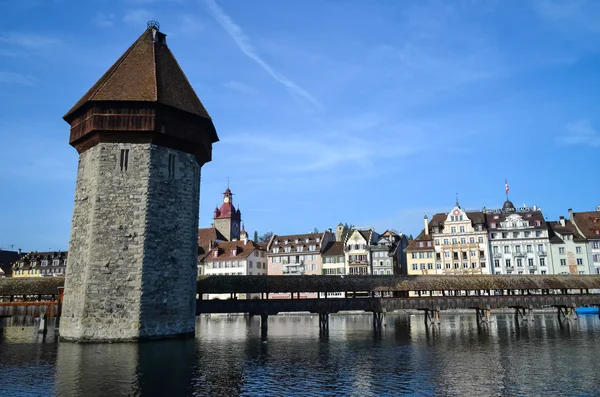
161	368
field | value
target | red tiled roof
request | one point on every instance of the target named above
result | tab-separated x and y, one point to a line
226	248
146	72
588	223
413	245
206	235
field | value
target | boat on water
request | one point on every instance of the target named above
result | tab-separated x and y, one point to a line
586	310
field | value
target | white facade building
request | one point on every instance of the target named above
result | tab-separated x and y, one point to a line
519	241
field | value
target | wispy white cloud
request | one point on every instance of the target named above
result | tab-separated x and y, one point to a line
139	16
102	20
580	133
16	78
241	87
29	40
244	43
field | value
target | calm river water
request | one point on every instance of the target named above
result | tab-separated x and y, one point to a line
228	358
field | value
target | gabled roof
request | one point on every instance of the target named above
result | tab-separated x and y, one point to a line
588	223
476	217
568	229
334	248
208	235
146	72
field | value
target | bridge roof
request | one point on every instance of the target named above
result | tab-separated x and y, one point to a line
30	285
256	284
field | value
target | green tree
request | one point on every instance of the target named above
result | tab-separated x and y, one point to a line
316	230
255	239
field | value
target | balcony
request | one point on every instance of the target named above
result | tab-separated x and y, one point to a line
519	255
497	255
542	253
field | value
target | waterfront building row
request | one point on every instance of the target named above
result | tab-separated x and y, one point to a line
506	241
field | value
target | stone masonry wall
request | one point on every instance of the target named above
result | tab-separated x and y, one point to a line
104	275
171	249
224	226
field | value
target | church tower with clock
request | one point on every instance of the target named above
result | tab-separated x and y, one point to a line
227	219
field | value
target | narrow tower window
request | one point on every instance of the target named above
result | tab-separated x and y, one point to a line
171	165
124	159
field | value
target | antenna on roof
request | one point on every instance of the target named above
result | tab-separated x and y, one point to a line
154	24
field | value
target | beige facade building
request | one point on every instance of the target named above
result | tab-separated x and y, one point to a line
460	240
420	255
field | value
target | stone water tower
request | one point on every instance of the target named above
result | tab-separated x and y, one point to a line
142	136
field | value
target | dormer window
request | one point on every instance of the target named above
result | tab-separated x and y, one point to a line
215	254
287	241
44	262
420	244
429	243
55	262
318	239
297	241
538	223
493	225
234	251
276	242
496	216
307	240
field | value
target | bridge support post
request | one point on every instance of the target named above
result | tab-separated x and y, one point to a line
566	313
324	322
483	316
378	320
264	325
43	329
432	316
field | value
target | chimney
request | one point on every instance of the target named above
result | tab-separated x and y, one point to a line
19	251
562	220
571	214
426	221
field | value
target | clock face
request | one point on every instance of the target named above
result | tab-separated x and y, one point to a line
226	199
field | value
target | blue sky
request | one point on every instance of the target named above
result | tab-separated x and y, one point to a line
369	112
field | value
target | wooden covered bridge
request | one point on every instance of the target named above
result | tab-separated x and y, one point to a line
375	294
382	294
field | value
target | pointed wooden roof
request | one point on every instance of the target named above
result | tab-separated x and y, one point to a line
146	72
